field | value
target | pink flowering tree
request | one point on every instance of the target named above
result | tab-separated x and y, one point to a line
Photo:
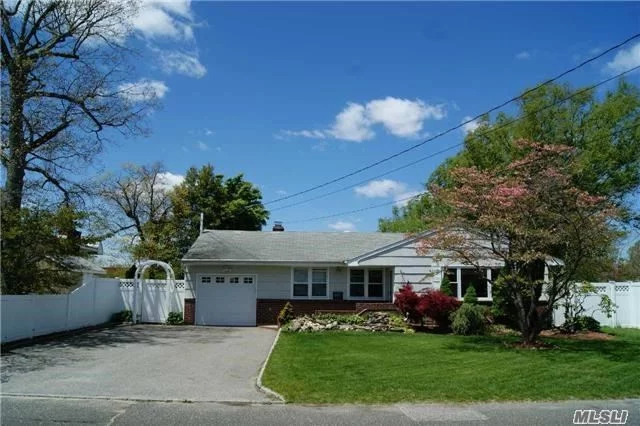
527	215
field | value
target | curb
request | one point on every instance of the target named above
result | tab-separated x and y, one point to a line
133	399
262	387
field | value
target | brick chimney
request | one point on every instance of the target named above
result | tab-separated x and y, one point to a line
277	227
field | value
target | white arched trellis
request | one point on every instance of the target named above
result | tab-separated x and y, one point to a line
139	281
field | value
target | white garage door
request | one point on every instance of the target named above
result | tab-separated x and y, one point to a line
226	300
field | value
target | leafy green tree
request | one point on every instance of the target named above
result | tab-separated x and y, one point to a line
414	217
607	159
231	203
43	242
631	267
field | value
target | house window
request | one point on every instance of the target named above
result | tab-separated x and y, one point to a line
366	283
219	280
205	280
319	282
463	278
356	283
300	282
310	282
247	280
234	280
374	286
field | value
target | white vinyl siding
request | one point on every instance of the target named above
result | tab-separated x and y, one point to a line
422	272
273	282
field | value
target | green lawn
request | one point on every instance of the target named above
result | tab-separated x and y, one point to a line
340	367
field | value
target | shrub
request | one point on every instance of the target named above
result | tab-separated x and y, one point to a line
438	306
175	318
588	323
122	316
351	319
468	320
408	302
286	314
470	295
445	286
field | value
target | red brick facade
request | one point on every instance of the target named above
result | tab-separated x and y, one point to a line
267	310
190	311
377	306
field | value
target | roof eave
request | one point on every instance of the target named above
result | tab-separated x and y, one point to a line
266	262
354	260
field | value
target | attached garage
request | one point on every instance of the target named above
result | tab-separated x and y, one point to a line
226	300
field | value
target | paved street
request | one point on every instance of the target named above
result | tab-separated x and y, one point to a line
47	411
143	362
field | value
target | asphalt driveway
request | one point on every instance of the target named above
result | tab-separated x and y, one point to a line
144	362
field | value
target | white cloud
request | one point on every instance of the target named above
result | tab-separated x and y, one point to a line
175	61
203	146
352	124
404	198
523	55
343	226
624	60
471	126
403	117
208	132
143	90
281	192
168	180
311	134
165	19
381	188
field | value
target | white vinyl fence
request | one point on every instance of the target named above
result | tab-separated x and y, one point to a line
93	303
156	300
626	295
27	316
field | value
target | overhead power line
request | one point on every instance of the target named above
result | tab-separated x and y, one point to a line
388	203
375	206
439	135
479	134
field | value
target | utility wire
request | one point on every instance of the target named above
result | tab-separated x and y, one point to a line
478	134
375	206
387	203
439	135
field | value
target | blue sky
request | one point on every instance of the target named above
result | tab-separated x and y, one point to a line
293	94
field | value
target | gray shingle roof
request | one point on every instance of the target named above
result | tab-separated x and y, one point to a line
287	246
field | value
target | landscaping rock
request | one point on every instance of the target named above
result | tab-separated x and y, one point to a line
371	321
